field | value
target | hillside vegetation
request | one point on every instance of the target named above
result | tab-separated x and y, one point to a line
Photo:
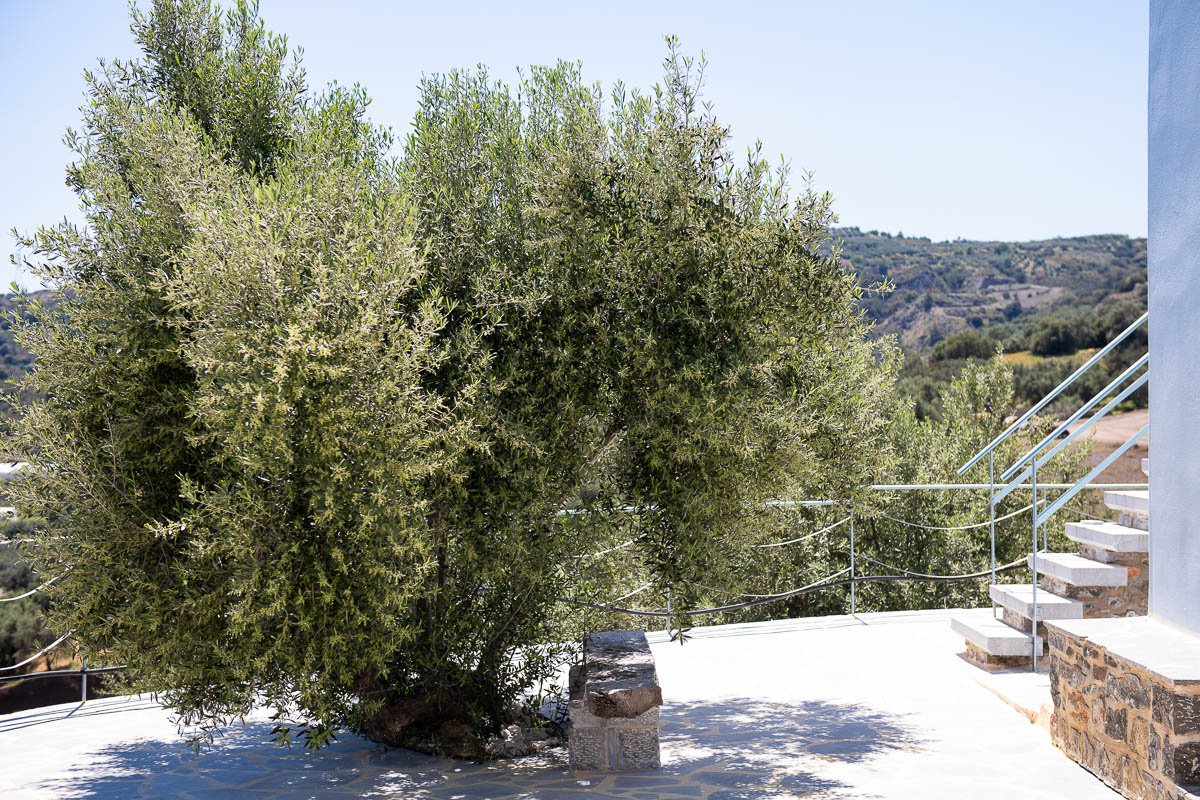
1047	304
1002	289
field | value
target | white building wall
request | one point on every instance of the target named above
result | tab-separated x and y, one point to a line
1174	248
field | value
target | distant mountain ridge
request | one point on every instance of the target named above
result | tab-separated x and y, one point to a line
941	288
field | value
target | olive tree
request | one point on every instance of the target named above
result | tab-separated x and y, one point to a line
328	420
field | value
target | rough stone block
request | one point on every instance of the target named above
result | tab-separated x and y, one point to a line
1136	730
1180	713
620	677
588	748
637	748
1128	689
614	704
1114	723
1185	763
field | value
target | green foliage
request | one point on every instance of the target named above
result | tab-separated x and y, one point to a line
21	632
1056	338
948	534
22	624
967	344
309	415
975	407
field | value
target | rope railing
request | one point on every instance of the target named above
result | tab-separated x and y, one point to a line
635	592
830	582
56	673
710	589
879	515
31	592
840	578
970	527
987	573
39	653
806	537
615	548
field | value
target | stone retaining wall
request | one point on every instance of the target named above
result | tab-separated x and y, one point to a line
1138	732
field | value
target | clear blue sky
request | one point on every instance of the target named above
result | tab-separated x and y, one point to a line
1017	120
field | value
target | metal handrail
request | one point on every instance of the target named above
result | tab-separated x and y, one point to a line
1024	418
1016	483
1065	497
1073	418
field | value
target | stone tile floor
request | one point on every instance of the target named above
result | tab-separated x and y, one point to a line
878	706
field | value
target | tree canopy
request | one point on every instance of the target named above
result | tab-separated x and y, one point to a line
318	409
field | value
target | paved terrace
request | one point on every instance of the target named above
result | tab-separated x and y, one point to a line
875	707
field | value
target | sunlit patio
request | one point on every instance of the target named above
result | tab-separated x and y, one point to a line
874	706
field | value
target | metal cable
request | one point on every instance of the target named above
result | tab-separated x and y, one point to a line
837	574
41	652
806	537
829	583
52	673
628	595
613	549
960	527
31	592
1085	514
969	576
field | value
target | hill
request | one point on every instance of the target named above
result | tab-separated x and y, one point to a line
999	288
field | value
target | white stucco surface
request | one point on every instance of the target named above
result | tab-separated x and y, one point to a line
1174	264
831	707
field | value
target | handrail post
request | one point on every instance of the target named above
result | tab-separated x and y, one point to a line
1033	637
853	574
1045	523
82	680
670	637
992	521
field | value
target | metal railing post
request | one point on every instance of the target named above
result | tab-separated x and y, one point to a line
853	574
82	680
1045	523
670	637
992	522
1033	637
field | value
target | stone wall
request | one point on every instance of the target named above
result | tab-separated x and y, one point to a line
1135	730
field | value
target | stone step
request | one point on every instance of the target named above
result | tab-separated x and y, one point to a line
1018	597
993	637
1079	571
1132	501
1109	536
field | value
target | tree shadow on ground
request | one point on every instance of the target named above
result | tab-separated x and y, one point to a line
712	750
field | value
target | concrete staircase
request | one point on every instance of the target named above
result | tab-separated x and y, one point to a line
1108	577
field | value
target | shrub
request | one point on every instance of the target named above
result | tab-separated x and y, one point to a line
965	344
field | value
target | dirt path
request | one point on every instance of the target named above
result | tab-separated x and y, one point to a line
1110	433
